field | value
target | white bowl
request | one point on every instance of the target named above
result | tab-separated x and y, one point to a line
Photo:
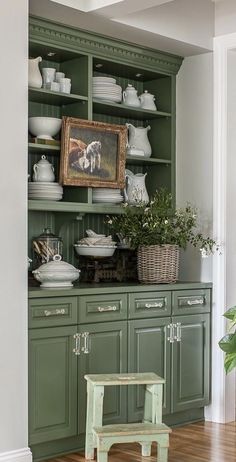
44	127
95	251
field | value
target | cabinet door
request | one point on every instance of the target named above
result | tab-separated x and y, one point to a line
191	363
52	384
107	354
149	351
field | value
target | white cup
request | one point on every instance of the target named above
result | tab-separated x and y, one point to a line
48	75
65	85
55	86
59	75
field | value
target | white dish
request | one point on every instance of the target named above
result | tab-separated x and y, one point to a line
56	273
104	79
44	127
94	251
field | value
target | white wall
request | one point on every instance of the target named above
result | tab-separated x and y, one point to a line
13	273
231	186
225	17
194	145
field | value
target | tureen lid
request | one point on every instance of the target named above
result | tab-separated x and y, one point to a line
57	265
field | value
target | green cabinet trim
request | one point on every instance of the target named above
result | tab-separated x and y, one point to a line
56	311
95	308
57	35
147	305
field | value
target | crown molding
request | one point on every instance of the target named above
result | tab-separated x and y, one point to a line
70	38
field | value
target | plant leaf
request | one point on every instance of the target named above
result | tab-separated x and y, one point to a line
230	362
231	314
228	343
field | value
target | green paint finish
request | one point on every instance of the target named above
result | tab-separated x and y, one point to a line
191	363
58	311
107	345
191	301
55	35
52	384
149	305
149	350
100	308
77	71
56	98
115	287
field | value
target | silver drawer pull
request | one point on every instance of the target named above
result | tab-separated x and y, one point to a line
171	336
76	350
55	312
177	337
85	348
154	305
106	308
198	301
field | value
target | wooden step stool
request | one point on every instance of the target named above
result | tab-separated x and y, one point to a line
152	429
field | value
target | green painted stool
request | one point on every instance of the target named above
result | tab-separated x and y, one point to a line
152	429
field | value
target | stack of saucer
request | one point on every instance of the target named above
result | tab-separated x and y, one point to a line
49	191
107	195
105	88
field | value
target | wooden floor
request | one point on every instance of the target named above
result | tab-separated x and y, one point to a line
199	442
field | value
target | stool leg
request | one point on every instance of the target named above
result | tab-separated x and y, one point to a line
94	416
162	455
146	449
89	446
102	456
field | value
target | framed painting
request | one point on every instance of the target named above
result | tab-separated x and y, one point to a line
92	153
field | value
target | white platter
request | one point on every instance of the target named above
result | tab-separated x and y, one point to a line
104	79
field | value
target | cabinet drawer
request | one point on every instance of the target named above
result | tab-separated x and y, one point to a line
191	301
147	305
96	308
56	311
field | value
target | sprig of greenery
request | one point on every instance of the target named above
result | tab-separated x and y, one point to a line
228	342
157	224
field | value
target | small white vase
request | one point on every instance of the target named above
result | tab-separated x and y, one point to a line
35	77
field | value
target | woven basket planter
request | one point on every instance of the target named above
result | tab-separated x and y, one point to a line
158	263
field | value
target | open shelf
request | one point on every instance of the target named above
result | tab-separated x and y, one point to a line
42	95
76	207
39	148
117	109
146	160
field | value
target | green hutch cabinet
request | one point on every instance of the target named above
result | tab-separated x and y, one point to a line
108	328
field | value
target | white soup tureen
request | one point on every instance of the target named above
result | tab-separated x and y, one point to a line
56	273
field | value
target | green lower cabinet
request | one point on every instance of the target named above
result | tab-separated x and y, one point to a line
149	351
191	362
52	384
104	352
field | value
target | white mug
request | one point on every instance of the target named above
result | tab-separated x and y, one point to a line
48	75
65	85
59	75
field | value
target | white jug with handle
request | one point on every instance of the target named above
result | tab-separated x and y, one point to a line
35	77
135	192
138	138
130	97
43	171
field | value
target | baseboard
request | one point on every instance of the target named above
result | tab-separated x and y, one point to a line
19	455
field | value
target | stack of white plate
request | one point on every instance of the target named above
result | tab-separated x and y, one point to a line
107	195
105	88
45	191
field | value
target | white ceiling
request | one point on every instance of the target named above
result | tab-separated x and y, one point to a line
184	27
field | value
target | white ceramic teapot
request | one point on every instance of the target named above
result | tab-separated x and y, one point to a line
138	139
147	101
130	97
43	171
135	192
35	77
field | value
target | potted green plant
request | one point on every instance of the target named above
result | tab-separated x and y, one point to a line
228	342
158	232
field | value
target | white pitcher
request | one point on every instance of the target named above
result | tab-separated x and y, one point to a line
136	192
35	77
138	139
43	171
130	97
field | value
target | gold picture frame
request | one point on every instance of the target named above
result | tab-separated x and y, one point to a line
92	153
